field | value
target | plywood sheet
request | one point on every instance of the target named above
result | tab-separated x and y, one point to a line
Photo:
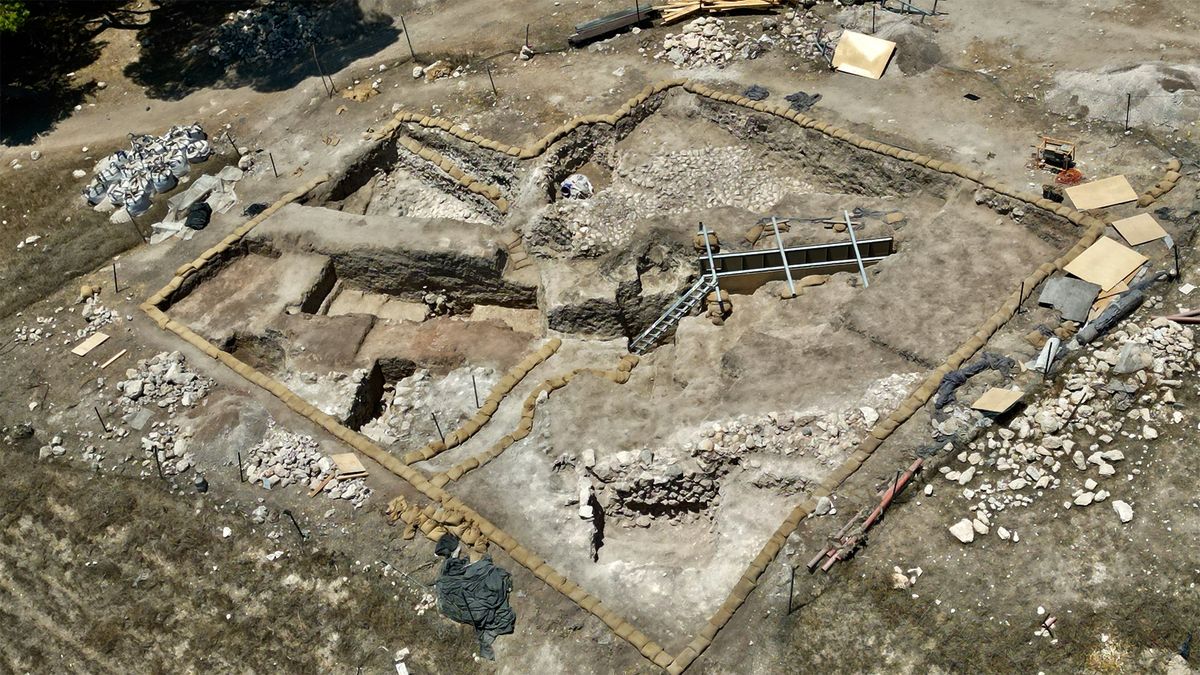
1139	229
89	344
997	400
864	55
348	463
1101	193
1105	263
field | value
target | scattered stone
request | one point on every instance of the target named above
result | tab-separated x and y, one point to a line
1124	511
824	505
963	530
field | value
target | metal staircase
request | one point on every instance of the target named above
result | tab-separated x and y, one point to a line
670	318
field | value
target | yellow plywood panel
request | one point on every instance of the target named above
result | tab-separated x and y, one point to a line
1101	193
1105	263
997	400
89	344
348	463
1139	229
864	55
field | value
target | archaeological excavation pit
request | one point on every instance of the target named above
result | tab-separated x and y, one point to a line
431	265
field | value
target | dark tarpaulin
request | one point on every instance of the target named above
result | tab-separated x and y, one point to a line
957	378
475	594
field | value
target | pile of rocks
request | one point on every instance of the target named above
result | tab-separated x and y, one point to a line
164	381
1123	391
267	33
702	177
171	446
682	482
705	42
96	315
797	33
283	458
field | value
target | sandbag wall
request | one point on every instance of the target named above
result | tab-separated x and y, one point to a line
456	514
1169	181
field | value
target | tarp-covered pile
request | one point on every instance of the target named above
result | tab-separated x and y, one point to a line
475	593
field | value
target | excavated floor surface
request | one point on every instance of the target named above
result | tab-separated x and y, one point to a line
337	304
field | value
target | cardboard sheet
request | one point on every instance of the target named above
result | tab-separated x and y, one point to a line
348	463
1101	193
863	55
997	400
89	344
1139	229
1105	263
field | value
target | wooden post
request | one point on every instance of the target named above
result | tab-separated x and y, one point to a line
404	28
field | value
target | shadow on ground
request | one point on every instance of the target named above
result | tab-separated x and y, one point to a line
188	46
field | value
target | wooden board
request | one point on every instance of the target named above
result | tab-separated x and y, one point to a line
1139	229
114	357
1105	263
348	463
997	400
89	344
1101	193
863	55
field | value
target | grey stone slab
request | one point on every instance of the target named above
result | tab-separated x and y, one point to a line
1073	297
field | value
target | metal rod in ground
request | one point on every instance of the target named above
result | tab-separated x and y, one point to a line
712	265
475	389
292	518
854	244
787	270
791	588
241	472
526	35
116	287
1128	105
404	28
102	424
273	169
158	463
133	221
438	427
872	19
1178	269
321	71
489	72
233	142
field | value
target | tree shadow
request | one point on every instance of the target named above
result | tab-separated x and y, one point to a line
188	46
38	59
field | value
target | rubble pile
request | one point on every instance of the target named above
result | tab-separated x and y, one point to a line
171	446
1124	391
271	32
163	381
96	315
797	33
681	482
706	177
705	42
283	458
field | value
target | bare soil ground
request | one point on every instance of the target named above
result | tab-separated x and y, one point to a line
117	572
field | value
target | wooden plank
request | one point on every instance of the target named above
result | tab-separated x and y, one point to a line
1101	193
348	463
1106	263
997	400
1139	229
89	344
114	357
320	486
